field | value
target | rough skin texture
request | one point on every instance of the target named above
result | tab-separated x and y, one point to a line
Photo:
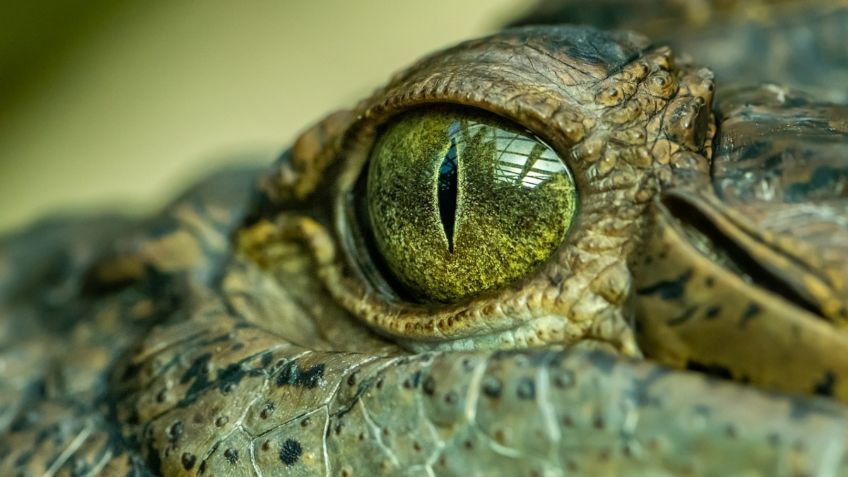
247	331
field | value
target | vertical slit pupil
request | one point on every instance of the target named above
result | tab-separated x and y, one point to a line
448	180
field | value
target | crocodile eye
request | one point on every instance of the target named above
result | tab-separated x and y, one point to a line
460	201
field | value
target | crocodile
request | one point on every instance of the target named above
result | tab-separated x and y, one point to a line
555	250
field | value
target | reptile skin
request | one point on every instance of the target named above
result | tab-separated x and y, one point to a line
691	323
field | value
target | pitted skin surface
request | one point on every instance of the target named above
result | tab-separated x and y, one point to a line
243	331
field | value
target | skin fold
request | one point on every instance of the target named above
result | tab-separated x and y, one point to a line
690	323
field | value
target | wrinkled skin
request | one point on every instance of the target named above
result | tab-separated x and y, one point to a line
244	330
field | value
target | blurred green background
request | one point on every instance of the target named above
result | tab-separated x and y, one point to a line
118	105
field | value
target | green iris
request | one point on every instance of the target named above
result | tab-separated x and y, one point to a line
460	201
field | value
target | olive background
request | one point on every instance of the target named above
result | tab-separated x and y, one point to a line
118	105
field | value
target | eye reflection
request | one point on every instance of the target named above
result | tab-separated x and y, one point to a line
460	201
520	160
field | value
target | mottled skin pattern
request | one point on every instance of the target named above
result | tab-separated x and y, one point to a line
246	331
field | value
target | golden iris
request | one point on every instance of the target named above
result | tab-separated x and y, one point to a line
460	201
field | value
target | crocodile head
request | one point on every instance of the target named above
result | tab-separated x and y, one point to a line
500	263
330	343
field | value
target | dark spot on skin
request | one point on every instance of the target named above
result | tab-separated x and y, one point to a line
290	452
267	410
668	289
412	381
709	282
598	422
774	162
222	421
492	387
266	358
684	316
709	369
188	461
130	372
230	377
305	422
750	312
175	431
197	373
231	455
238	346
822	184
227	379
526	388
202	468
292	375
429	386
825	387
351	380
161	395
712	312
567	421
380	383
451	397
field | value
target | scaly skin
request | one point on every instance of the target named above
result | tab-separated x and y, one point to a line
243	331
